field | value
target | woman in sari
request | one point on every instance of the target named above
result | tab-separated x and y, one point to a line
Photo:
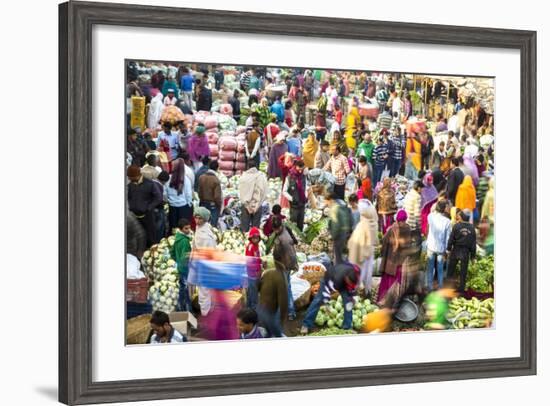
286	162
429	197
386	205
466	196
396	246
352	124
278	149
309	150
338	140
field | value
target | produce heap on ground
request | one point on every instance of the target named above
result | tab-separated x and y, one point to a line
226	140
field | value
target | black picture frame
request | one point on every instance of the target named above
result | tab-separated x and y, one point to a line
76	20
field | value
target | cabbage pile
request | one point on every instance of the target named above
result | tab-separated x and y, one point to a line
162	270
333	314
226	123
235	241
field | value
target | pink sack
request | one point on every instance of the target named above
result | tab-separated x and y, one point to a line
226	109
227	155
238	172
241	146
241	157
227	133
226	165
200	116
227	144
212	137
241	129
214	150
211	122
240	166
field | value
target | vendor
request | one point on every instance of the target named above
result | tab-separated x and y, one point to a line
162	331
342	279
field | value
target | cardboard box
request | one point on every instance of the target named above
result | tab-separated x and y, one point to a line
181	321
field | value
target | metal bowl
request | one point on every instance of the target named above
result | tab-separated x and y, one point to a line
408	311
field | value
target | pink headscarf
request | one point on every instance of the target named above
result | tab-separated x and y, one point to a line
401	216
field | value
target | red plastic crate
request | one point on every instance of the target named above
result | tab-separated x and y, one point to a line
136	290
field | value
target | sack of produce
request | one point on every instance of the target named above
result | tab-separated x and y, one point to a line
226	109
240	167
227	144
211	122
227	133
200	116
241	157
312	271
226	166
241	146
226	155
212	137
369	110
213	150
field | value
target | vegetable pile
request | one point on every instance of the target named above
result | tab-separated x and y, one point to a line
471	313
332	331
333	314
162	270
234	241
481	275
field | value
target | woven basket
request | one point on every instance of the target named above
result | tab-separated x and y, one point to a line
137	329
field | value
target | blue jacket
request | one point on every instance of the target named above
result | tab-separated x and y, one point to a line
278	109
186	83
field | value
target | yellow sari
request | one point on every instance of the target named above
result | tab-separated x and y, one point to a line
352	121
310	149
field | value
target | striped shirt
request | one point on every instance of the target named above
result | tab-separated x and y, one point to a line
398	143
385	120
339	167
378	154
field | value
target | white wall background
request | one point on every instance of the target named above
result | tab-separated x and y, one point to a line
28	201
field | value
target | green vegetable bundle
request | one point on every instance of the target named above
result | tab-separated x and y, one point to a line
481	275
315	229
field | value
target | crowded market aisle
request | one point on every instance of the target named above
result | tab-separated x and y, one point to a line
268	202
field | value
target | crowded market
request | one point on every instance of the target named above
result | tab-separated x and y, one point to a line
268	202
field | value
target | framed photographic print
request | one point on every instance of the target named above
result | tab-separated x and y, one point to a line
252	200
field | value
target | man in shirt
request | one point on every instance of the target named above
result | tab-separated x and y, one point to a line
186	86
210	192
338	165
461	247
380	156
439	230
253	190
322	156
143	198
236	105
397	146
385	119
412	205
162	331
171	138
151	169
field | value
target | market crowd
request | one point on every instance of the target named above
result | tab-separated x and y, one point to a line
402	168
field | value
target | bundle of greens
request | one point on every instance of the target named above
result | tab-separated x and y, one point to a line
315	229
481	275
